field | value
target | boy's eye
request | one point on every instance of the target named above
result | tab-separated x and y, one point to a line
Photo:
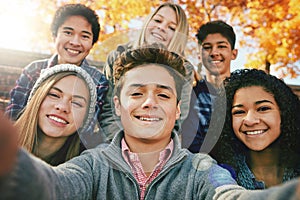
206	47
164	96
222	47
67	32
86	36
136	94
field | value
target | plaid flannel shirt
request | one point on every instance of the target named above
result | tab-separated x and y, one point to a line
196	125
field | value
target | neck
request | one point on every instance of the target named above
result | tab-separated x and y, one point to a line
48	146
149	161
139	145
266	166
147	150
216	80
267	157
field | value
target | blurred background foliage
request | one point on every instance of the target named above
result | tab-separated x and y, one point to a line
269	31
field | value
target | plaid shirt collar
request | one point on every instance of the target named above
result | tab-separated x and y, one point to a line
54	61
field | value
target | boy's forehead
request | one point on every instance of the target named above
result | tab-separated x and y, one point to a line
215	36
149	74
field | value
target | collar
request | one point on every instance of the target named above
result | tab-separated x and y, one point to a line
129	156
53	60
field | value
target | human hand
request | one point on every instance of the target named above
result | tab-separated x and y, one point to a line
8	145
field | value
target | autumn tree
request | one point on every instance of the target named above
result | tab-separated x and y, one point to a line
115	17
274	25
269	29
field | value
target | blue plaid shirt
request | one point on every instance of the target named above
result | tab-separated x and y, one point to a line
195	126
20	93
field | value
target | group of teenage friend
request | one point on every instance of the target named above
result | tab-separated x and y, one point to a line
148	127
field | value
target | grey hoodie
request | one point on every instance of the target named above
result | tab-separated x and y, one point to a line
102	173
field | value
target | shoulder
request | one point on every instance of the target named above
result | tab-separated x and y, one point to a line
95	73
120	49
203	161
188	65
37	65
93	156
215	174
124	47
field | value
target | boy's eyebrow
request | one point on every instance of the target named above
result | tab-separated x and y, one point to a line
165	87
138	85
71	29
219	42
237	106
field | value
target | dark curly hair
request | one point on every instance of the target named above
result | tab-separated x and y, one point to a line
229	145
63	12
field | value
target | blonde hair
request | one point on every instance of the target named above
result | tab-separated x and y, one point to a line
179	40
28	129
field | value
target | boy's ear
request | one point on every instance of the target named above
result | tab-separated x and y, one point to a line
117	106
234	54
199	52
178	111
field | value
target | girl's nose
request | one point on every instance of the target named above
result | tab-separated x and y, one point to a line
63	106
251	119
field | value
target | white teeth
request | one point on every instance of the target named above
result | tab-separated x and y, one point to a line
215	61
158	36
149	119
254	132
73	51
58	119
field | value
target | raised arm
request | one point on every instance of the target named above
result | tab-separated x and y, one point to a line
289	191
24	176
8	146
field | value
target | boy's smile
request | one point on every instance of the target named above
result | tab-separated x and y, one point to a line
148	104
